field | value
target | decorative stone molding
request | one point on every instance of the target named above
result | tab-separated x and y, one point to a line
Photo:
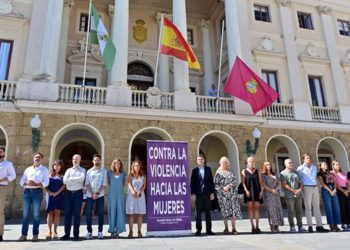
154	97
266	44
346	59
139	31
69	3
284	3
158	16
8	9
311	51
93	49
110	9
204	24
324	9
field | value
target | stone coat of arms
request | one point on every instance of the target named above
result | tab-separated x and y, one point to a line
139	31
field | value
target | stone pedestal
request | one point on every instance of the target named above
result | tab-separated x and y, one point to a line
37	91
118	95
185	101
344	114
302	111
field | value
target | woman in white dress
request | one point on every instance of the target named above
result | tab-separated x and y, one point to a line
136	202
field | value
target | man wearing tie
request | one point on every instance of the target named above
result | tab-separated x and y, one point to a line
202	192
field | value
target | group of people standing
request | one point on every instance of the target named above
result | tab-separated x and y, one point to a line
264	187
65	192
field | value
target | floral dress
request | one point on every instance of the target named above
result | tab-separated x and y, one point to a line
228	200
273	202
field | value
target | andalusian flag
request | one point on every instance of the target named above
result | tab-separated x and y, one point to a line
99	35
174	44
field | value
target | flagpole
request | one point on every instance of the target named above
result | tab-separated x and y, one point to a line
87	43
158	52
220	60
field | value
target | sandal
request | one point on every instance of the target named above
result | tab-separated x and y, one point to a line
139	234
130	234
226	231
55	236
234	231
48	236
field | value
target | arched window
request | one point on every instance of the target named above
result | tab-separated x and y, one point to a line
140	76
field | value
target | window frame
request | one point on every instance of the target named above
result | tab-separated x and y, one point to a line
342	31
314	95
190	34
267	80
86	29
261	17
303	22
11	42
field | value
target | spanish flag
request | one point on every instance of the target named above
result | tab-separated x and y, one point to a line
174	44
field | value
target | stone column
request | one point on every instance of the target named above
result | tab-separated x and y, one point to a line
301	106
42	52
340	85
119	92
163	66
184	99
237	25
51	43
208	66
62	60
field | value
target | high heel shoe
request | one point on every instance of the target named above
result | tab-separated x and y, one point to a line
49	236
130	234
139	234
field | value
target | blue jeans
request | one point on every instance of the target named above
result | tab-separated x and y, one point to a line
100	212
31	197
331	206
72	206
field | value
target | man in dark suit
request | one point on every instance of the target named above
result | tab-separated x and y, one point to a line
202	192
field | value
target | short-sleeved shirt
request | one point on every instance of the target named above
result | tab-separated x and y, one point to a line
292	178
327	177
308	174
96	178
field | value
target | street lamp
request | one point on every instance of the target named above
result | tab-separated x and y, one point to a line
249	149
35	124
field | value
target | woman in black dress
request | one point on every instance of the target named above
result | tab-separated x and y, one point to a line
253	192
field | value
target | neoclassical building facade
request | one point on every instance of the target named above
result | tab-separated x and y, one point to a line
301	48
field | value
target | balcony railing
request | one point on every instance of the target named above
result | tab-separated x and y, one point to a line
279	111
215	105
139	100
323	114
7	90
69	93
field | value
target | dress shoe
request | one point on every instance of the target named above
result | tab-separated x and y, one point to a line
321	229
310	229
210	233
1	239
198	233
22	238
76	238
65	237
35	238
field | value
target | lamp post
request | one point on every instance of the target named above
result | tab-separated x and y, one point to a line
249	149
35	124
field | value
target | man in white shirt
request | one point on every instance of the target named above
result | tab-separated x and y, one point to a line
308	175
35	178
74	180
95	183
7	174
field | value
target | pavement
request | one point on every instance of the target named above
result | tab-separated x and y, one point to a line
244	239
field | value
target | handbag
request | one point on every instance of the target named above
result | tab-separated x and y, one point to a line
240	189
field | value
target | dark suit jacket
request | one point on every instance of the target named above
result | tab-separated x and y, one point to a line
196	182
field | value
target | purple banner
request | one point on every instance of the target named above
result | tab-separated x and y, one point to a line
168	189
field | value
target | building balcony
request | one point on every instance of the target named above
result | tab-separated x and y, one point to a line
96	96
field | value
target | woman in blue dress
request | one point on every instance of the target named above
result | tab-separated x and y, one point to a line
55	198
116	199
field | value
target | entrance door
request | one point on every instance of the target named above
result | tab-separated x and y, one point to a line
85	150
